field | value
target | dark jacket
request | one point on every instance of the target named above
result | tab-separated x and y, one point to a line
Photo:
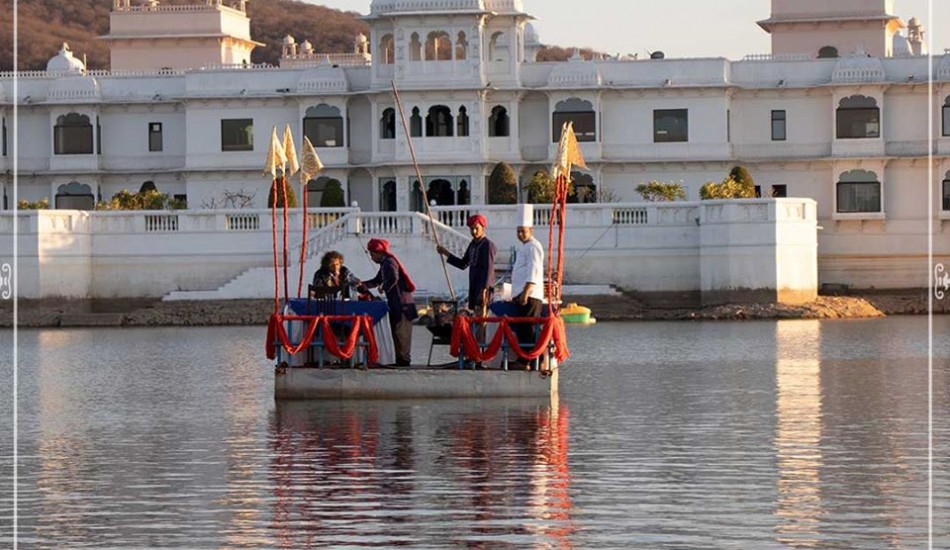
479	258
398	298
323	279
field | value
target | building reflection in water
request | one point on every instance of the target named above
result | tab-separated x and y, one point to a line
798	432
479	473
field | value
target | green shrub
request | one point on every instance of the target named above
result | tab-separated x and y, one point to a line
657	191
42	204
143	200
502	185
333	195
741	175
727	189
291	197
541	188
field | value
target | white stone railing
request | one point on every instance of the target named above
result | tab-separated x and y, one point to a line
777	57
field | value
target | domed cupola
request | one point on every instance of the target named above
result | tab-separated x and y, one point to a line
64	62
858	67
532	42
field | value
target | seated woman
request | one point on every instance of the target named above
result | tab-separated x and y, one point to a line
333	279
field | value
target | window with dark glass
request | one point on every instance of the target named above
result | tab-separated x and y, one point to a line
74	196
670	125
498	122
154	136
323	124
237	134
98	137
946	118
415	123
858	191
778	125
72	135
779	191
578	111
439	121
827	52
387	124
462	122
387	196
858	117
946	193
4	137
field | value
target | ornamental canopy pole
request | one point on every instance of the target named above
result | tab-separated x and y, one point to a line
425	199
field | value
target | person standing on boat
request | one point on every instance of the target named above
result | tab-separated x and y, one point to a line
393	280
527	279
332	276
479	259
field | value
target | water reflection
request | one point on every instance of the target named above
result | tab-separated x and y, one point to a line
798	432
389	473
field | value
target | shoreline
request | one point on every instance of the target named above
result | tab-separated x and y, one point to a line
134	312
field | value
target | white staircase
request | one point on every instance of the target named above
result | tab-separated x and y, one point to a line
411	239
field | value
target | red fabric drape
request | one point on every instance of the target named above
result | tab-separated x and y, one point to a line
283	187
273	224
362	324
303	246
552	330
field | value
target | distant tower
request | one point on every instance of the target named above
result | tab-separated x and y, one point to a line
361	46
820	28
288	47
152	36
915	37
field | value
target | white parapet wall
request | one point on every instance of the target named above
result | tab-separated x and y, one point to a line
758	250
763	249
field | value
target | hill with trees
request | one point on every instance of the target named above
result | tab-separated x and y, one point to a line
45	24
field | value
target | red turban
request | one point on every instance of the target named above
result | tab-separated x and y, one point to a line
378	245
477	218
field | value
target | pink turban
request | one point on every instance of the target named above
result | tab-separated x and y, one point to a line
477	218
378	245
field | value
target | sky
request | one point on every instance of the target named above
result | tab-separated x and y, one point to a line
706	28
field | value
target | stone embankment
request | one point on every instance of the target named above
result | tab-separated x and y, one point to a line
141	313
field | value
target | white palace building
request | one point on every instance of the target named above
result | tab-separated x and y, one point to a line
836	113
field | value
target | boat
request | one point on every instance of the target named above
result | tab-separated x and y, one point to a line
576	314
338	350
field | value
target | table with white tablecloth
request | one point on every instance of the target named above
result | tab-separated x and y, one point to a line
376	309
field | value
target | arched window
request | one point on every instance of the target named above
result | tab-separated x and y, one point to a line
387	196
462	122
827	52
439	121
438	46
498	122
416	197
858	191
74	196
858	117
440	191
464	195
387	50
324	126
415	48
461	47
387	124
946	192
584	189
415	123
498	47
579	111
72	135
946	117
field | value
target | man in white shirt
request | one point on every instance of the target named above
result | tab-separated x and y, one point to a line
527	280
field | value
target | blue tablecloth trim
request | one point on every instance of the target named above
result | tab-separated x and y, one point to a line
376	309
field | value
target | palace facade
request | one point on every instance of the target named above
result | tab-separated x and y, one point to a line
838	112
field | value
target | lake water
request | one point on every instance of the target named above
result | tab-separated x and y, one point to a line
752	435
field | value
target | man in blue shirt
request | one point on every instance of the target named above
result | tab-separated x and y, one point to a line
479	259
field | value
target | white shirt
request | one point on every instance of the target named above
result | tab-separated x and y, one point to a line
529	268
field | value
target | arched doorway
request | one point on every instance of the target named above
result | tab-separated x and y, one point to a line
441	191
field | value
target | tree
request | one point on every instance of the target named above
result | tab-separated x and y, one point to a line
656	191
741	175
541	188
281	190
502	185
333	195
